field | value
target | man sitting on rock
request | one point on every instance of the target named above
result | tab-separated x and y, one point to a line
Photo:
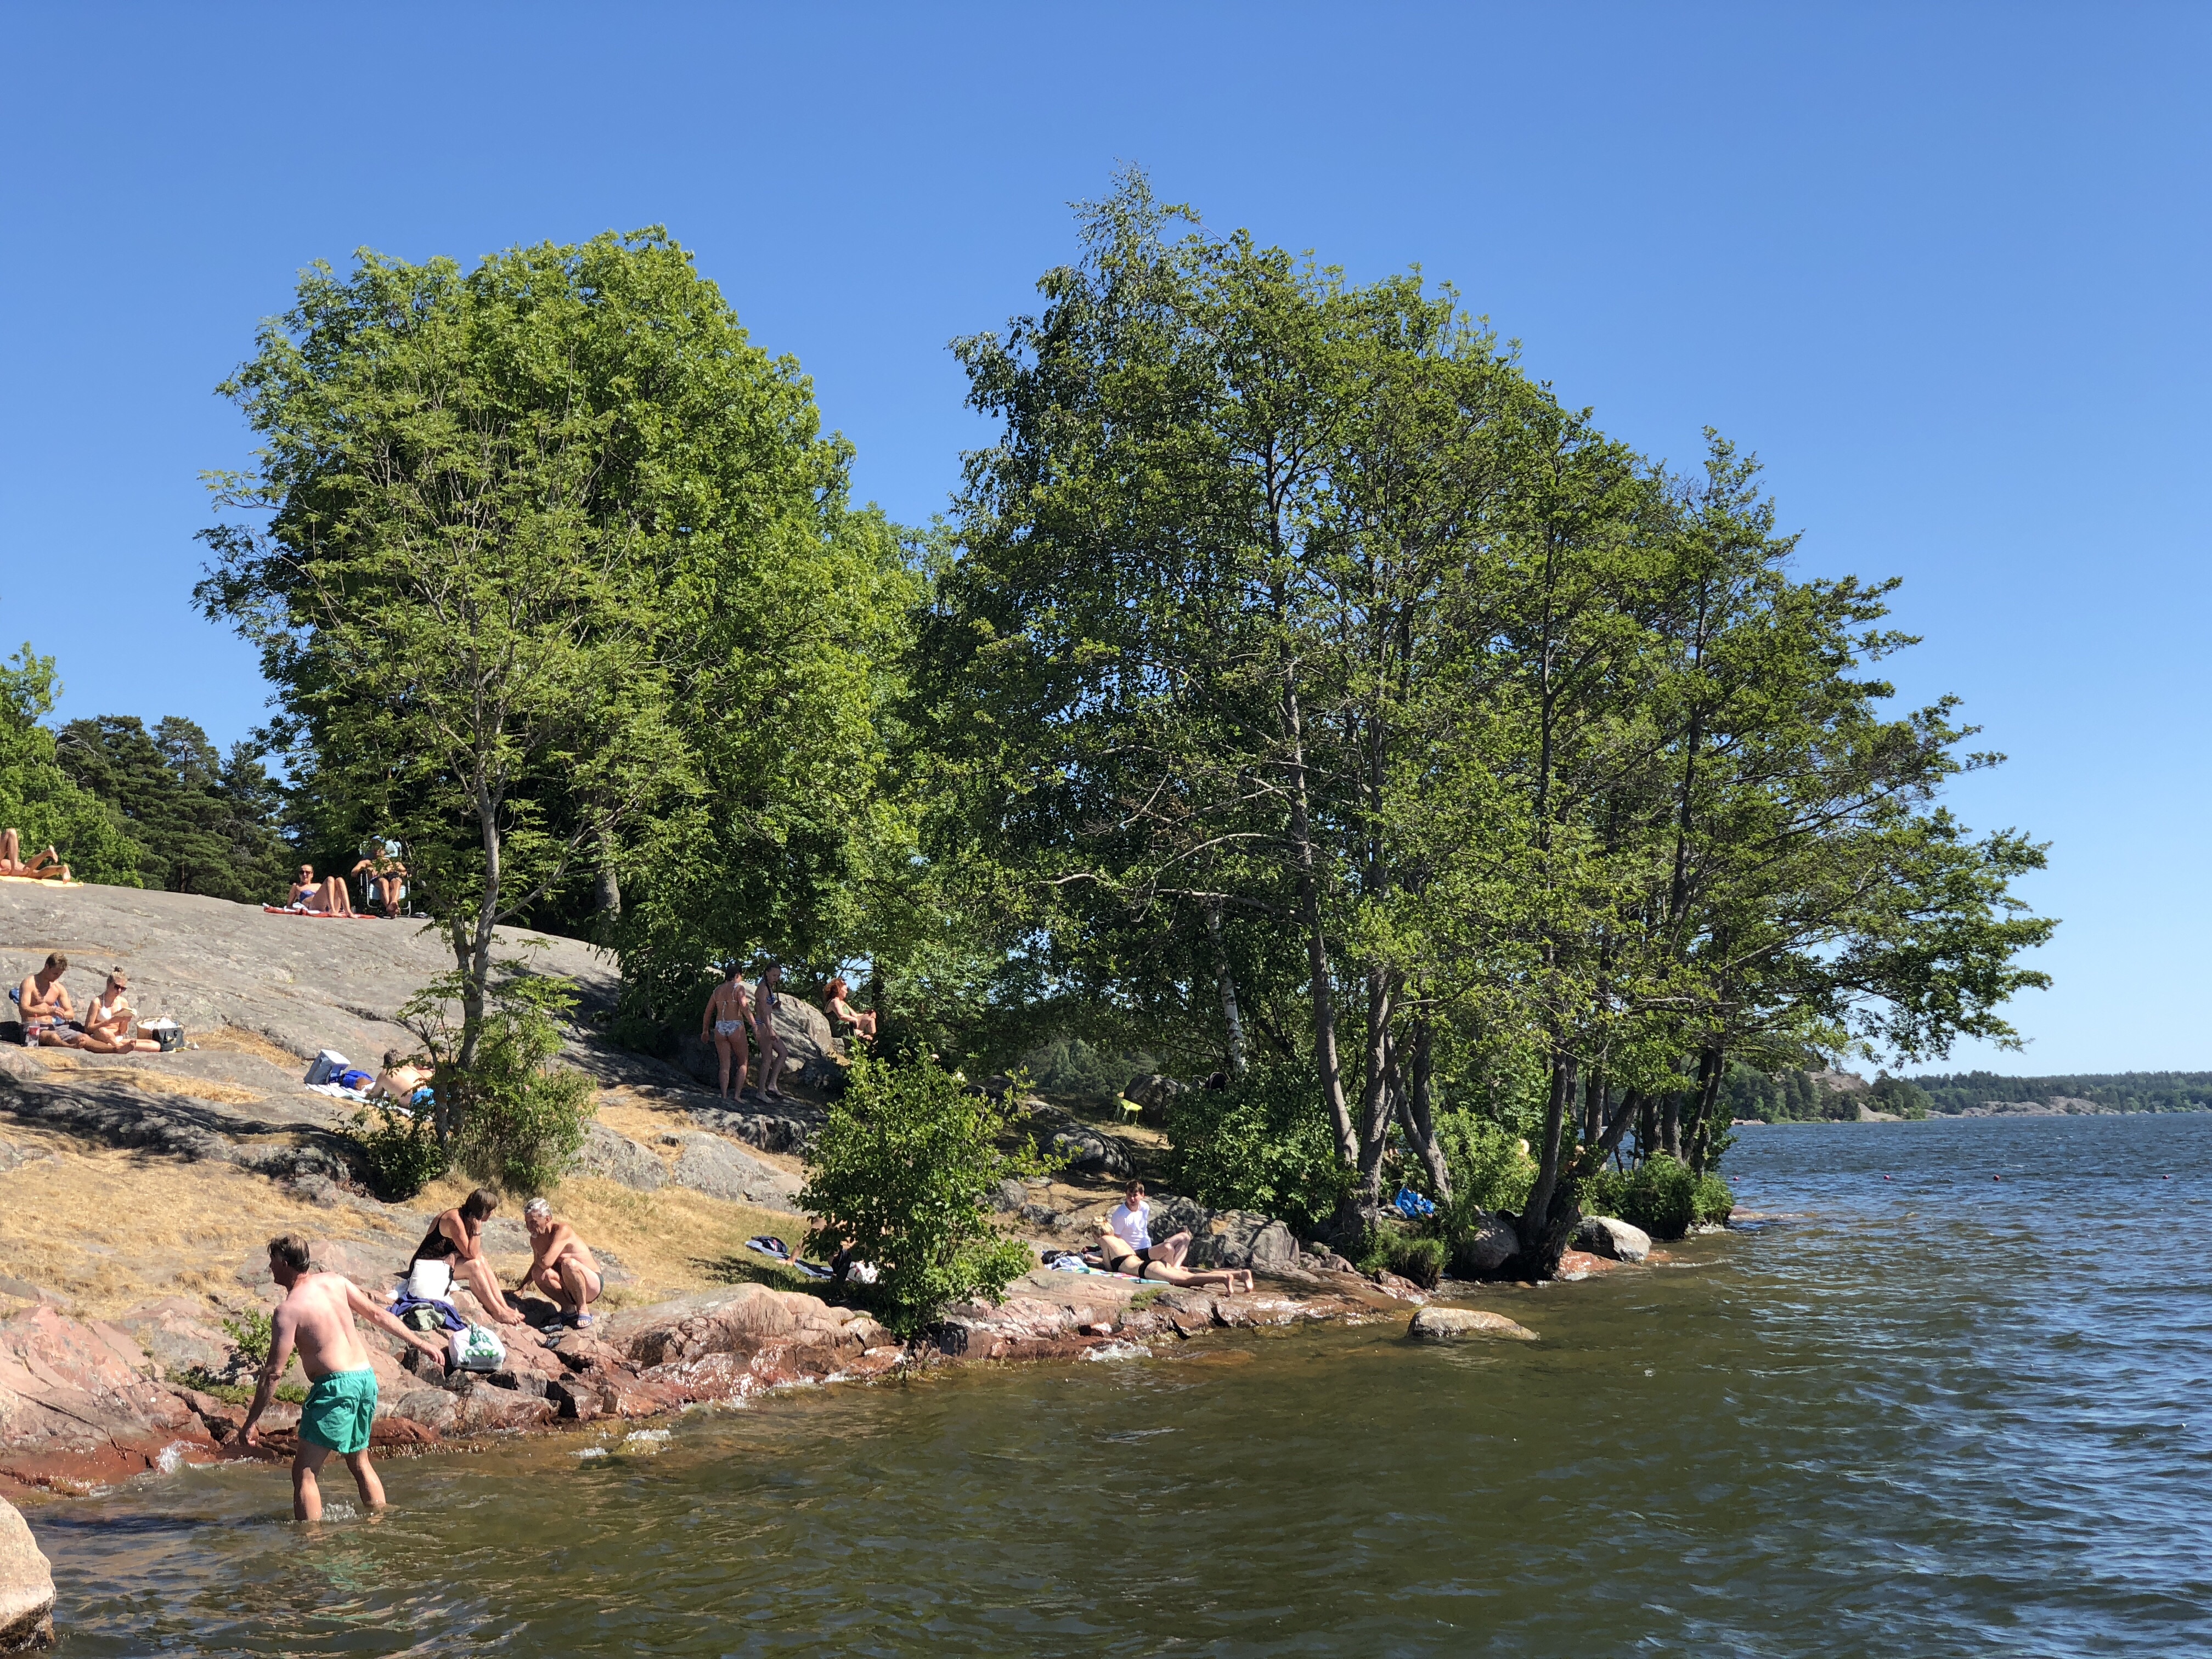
560	1265
1132	1219
317	1318
1113	1253
457	1238
47	1011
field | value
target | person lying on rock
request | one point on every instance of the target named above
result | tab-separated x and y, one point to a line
317	1318
560	1265
727	1010
457	1238
842	1013
764	1035
1112	1252
400	1080
327	897
110	1027
47	1011
45	867
1131	1222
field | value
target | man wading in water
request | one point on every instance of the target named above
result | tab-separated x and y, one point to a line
318	1318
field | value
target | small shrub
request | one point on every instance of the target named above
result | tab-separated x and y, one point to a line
510	1118
1265	1146
252	1332
899	1174
1489	1170
1659	1195
401	1150
1712	1200
1419	1259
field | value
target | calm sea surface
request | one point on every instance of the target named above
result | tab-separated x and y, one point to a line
1931	1413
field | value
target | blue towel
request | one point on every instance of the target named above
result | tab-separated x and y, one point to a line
1411	1205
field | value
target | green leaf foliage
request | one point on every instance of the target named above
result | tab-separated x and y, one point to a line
402	1152
1264	1145
39	798
899	1176
205	822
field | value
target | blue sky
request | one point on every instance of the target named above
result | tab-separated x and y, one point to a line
1943	268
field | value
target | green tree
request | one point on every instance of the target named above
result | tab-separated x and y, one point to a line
206	822
38	798
558	585
899	1176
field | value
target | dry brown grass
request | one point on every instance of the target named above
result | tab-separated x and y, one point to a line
108	1230
193	1088
249	1043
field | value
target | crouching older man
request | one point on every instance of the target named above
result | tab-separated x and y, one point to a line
317	1318
560	1265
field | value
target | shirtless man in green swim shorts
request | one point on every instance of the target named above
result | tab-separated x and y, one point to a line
317	1317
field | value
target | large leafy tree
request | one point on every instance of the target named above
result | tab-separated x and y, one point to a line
551	568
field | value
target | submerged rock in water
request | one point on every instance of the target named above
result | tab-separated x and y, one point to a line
1607	1236
27	1587
1465	1325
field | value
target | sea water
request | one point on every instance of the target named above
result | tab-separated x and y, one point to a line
1950	1401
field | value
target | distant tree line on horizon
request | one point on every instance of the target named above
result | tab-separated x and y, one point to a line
2125	1091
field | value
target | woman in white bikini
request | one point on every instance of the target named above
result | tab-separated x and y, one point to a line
727	1010
109	1023
764	1037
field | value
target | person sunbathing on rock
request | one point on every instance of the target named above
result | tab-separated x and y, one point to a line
47	1013
46	867
1113	1253
457	1238
560	1265
842	1013
386	874
110	1027
317	1318
327	897
400	1080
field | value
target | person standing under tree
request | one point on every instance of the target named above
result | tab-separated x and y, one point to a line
764	1036
726	1012
317	1318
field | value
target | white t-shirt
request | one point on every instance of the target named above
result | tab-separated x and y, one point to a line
1134	1226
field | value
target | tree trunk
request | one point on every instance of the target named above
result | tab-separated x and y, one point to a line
1647	1127
1712	1068
1538	1254
476	958
1420	1119
1301	858
609	903
1227	981
1377	1084
1670	1124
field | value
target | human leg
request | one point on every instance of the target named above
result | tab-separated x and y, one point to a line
11	853
725	1047
365	1481
306	1496
1172	1250
336	898
580	1286
477	1276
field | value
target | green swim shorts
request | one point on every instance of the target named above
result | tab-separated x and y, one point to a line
339	1410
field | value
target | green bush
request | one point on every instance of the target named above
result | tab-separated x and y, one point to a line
510	1118
252	1332
1659	1195
1265	1146
1712	1200
1489	1170
1417	1257
899	1174
401	1150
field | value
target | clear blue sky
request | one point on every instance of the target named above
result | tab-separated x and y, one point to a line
1943	268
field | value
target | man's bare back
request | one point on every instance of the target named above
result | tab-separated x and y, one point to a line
319	1315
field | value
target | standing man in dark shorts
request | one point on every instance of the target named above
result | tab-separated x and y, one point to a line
317	1318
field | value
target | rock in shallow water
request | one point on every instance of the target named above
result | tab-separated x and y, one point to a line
27	1587
1603	1235
1465	1325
